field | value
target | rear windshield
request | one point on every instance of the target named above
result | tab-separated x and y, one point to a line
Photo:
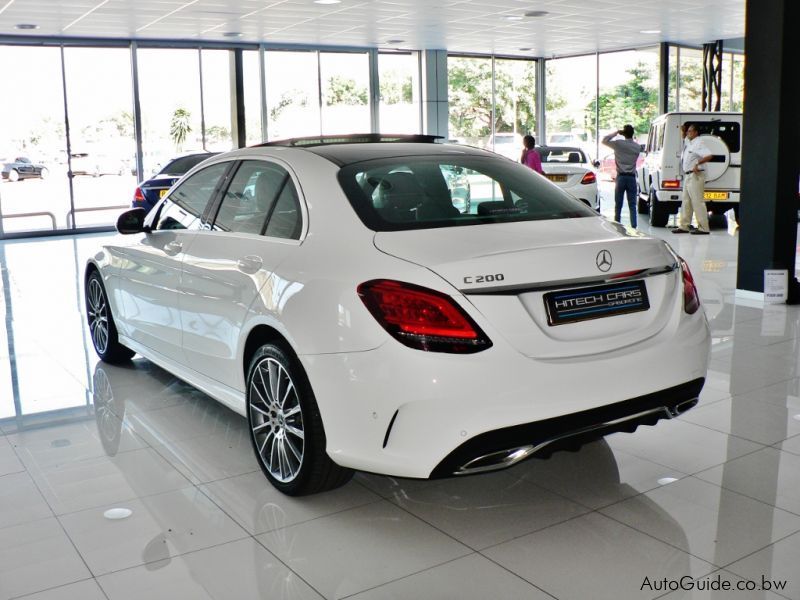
422	192
729	131
562	155
181	165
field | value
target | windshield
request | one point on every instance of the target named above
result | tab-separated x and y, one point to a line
444	191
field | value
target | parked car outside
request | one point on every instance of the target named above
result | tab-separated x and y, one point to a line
507	144
577	139
570	169
150	191
607	170
97	164
361	321
21	168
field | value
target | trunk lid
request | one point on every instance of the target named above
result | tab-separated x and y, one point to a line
505	271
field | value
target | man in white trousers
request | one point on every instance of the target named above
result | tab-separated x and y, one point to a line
695	154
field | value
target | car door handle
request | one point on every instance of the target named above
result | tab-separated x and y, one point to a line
173	248
249	264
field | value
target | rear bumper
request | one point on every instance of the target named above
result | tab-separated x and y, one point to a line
505	447
398	411
674	196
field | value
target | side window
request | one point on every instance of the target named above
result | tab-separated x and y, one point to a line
250	197
660	143
185	205
286	219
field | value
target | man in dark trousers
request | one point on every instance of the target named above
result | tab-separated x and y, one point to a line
626	153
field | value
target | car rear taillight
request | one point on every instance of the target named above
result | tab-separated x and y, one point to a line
589	178
138	196
691	299
670	184
422	318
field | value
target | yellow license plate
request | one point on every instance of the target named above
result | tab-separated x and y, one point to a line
715	196
162	193
557	178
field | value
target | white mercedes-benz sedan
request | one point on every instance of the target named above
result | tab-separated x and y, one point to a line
332	291
570	169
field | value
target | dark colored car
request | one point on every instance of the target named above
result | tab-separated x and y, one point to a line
23	168
150	191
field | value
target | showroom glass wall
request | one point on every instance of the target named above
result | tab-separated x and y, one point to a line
686	79
73	120
492	101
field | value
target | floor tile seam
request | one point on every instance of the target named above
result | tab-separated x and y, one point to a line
658	486
727	566
127	499
779	595
76	461
792	452
253	534
227	477
559	494
480	548
447	562
795	513
56	587
99	576
720	570
287	566
765	444
517	575
653	537
763	447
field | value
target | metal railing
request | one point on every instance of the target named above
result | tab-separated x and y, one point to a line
31	214
70	218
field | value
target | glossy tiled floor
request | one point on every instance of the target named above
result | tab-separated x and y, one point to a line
711	496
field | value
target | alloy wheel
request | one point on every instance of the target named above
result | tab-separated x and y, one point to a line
98	315
276	418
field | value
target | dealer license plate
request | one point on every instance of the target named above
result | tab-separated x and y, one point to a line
162	193
570	306
557	178
715	195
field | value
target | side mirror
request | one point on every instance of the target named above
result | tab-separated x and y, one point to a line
131	221
596	164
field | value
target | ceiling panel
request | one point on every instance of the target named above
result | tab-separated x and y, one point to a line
569	27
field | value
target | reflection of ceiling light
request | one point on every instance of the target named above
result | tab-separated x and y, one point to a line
525	49
233	34
536	13
512	18
117	513
650	31
26	26
327	1
666	480
395	41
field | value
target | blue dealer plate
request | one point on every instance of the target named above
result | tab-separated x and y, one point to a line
569	306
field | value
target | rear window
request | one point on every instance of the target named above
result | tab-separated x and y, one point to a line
562	155
728	131
182	165
436	191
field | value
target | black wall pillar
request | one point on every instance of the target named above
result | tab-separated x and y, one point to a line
771	145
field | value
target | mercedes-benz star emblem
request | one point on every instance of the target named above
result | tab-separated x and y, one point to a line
603	261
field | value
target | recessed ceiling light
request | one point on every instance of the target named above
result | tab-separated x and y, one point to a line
650	31
512	18
114	514
327	1
666	480
27	26
233	34
525	49
536	13
395	41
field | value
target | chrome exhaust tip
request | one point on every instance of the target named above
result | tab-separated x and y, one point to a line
496	460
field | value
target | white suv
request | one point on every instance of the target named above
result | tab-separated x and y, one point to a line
660	178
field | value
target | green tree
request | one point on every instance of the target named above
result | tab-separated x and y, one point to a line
634	102
341	90
287	99
218	133
396	88
180	127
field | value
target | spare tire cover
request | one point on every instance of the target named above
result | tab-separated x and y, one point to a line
722	157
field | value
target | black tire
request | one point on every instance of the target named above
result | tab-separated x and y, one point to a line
101	323
659	214
642	206
281	403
